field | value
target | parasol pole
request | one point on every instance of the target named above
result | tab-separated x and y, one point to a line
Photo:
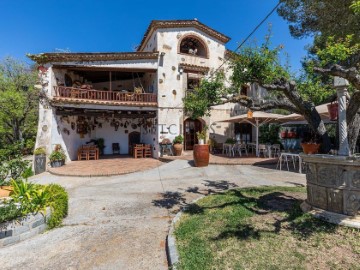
257	137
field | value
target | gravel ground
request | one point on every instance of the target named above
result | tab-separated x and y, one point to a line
121	222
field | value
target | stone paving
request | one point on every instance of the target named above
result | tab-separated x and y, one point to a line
121	222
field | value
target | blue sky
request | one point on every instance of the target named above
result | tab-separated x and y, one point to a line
114	26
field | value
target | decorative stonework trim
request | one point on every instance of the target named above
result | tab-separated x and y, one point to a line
22	228
43	58
155	24
194	68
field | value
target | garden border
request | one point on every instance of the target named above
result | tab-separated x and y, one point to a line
19	229
171	250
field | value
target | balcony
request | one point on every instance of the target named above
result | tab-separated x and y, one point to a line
91	96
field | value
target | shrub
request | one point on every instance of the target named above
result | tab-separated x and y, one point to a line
9	212
40	151
178	139
58	154
59	205
35	198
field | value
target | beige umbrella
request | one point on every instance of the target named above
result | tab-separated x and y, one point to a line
256	119
322	110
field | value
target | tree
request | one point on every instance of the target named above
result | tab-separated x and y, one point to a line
335	52
18	103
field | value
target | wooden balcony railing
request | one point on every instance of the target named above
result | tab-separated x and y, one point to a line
76	93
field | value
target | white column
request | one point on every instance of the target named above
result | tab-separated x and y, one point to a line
343	136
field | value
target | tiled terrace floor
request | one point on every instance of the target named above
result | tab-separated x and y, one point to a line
117	165
220	159
111	165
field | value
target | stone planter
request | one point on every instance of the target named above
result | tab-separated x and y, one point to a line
310	148
201	155
333	183
178	147
40	163
57	163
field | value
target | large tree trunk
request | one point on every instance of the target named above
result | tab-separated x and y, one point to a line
353	132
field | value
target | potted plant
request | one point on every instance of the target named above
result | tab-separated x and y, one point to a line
201	150
333	110
284	133
310	144
178	144
57	157
40	159
201	136
100	144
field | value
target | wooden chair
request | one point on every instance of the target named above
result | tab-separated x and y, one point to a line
93	154
138	151
147	151
82	154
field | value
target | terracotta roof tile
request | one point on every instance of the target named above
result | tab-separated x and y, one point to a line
156	24
44	58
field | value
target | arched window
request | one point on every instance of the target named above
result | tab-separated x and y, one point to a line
194	46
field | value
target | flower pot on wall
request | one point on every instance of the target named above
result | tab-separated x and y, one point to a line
201	155
40	163
333	111
310	148
178	149
283	134
57	163
5	191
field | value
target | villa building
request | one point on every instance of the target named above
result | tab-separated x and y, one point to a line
132	97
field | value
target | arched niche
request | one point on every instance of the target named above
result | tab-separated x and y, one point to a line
193	45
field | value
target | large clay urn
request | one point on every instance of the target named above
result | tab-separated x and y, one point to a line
201	155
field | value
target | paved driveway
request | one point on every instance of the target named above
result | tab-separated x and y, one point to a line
121	222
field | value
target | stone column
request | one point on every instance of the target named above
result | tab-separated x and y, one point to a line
341	90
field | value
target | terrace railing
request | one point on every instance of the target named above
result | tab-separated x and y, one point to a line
91	94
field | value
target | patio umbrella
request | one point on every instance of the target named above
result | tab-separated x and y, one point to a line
256	119
322	110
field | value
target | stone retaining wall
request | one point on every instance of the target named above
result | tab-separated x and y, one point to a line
17	230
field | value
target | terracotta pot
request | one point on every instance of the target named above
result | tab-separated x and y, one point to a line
283	134
5	191
333	111
310	148
178	149
201	155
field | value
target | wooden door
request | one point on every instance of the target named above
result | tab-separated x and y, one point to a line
190	129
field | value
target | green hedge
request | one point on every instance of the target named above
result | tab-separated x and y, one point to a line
59	205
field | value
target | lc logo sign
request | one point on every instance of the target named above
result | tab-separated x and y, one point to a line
171	129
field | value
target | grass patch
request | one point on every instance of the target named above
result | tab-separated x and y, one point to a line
262	228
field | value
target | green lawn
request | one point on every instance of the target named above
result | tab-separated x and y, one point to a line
262	228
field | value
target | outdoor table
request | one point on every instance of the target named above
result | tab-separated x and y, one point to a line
291	155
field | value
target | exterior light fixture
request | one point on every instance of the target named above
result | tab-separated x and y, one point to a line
249	114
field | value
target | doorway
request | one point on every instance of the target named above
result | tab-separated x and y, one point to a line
243	132
190	128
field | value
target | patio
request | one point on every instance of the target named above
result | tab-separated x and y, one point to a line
106	166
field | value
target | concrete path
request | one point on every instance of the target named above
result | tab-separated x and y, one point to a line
121	222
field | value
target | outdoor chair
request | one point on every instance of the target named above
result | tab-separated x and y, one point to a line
262	150
276	150
93	154
138	151
116	148
147	151
241	147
